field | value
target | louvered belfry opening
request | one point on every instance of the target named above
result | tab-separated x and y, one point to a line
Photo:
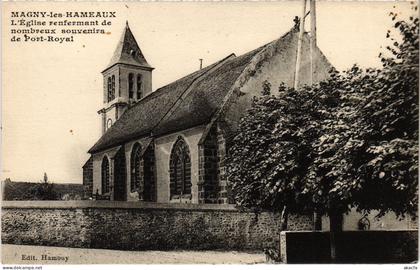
180	170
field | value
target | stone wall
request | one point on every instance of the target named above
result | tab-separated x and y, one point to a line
141	225
88	178
208	168
212	185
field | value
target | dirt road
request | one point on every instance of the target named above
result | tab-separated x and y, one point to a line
20	254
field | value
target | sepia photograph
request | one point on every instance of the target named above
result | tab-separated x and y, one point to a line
213	133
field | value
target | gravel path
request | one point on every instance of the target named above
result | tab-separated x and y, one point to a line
22	254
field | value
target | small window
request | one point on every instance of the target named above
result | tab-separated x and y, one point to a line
139	84
130	85
109	123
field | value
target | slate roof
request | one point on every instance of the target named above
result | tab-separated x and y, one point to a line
185	103
128	51
206	96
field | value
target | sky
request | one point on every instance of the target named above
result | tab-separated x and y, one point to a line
51	92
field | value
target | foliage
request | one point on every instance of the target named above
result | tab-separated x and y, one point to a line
350	141
389	127
44	190
25	191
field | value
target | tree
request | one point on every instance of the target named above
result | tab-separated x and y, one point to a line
44	190
389	127
269	156
350	141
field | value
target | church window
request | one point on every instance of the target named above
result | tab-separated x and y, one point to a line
136	174
180	169
105	175
139	90
130	85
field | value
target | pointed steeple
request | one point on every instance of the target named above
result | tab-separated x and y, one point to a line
128	51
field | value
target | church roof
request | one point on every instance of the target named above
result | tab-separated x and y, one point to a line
128	51
139	120
205	97
185	103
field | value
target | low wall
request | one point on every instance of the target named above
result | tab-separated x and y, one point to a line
141	226
351	247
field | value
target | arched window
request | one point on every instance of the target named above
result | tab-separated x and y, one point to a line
130	85
136	174
113	86
109	94
180	169
139	90
105	175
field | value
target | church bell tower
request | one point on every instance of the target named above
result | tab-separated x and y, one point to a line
127	79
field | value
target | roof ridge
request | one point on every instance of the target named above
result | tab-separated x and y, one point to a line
183	77
221	109
160	89
176	104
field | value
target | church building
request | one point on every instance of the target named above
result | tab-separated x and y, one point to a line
169	145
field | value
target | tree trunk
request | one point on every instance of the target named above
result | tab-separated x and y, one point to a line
284	219
336	225
336	222
317	225
283	227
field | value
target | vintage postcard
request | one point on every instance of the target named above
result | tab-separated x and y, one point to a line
282	132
